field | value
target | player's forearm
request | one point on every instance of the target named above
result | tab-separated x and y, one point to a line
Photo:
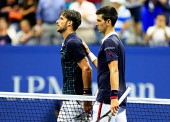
114	75
87	77
95	62
93	59
114	80
91	56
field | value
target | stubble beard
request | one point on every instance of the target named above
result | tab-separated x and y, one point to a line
100	31
62	30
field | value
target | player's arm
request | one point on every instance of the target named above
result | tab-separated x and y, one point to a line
87	81
91	56
114	83
86	72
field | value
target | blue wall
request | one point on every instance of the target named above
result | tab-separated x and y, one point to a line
37	69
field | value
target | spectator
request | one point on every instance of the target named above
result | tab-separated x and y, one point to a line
166	10
4	37
135	9
5	7
27	34
48	11
10	9
149	11
68	2
122	26
86	31
97	3
159	34
28	10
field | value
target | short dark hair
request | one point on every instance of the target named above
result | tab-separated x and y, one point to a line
108	12
74	16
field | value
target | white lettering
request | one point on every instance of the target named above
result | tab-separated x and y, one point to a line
31	84
53	85
148	86
16	80
38	84
146	90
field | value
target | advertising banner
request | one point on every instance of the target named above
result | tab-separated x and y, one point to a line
37	69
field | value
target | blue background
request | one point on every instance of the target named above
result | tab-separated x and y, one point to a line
147	70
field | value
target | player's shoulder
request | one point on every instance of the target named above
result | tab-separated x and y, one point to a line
74	41
112	39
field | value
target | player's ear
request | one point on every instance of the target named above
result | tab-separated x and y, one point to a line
108	22
70	23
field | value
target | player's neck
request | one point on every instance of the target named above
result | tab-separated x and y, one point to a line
66	33
109	30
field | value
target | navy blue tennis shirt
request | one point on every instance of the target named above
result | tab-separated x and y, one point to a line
110	50
72	51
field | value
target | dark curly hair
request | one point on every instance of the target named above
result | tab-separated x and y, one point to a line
74	16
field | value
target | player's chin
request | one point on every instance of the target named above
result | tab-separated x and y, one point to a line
100	30
58	30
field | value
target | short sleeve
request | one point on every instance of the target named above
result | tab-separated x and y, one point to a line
110	49
76	50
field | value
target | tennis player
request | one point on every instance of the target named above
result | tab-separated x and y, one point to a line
110	65
77	73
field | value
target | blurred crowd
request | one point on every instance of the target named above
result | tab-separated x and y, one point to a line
33	22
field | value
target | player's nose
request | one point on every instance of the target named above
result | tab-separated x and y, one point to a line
57	21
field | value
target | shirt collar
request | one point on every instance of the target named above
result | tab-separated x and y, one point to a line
68	37
109	34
